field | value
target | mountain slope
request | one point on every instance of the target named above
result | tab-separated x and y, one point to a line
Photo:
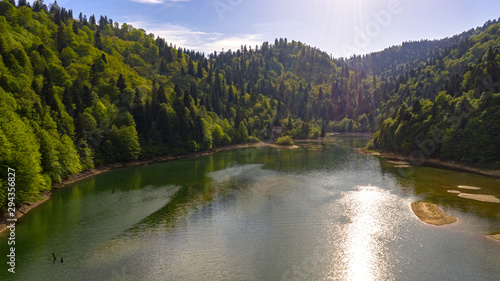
86	91
461	123
397	60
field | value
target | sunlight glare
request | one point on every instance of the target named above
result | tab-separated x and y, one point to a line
362	243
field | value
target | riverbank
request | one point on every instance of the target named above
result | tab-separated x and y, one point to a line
431	214
25	208
434	162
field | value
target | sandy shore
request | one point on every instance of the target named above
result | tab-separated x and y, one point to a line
398	162
25	208
440	164
431	214
369	152
288	146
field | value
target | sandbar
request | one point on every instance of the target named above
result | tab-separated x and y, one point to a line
443	164
469	187
402	166
495	236
454	191
480	197
398	162
431	214
369	152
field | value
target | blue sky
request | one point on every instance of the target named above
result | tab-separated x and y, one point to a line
340	27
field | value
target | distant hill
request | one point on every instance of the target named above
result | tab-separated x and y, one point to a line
396	60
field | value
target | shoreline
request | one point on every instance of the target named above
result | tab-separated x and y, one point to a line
434	163
24	208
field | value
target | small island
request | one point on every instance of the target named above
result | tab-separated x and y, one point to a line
431	214
495	236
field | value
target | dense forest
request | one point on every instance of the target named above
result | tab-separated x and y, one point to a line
450	108
78	92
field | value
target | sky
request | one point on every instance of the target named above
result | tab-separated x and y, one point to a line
339	27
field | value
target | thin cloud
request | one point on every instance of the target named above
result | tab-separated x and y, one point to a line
205	42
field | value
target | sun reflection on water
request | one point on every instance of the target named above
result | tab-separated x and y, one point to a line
363	238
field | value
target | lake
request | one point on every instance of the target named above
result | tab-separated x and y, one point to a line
320	212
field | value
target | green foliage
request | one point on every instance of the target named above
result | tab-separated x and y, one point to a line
241	134
285	140
19	150
125	144
252	139
217	135
454	97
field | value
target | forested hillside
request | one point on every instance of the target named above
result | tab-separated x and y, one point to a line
78	92
450	108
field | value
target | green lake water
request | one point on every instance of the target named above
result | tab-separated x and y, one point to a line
320	212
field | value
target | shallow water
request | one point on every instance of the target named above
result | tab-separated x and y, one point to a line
320	212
